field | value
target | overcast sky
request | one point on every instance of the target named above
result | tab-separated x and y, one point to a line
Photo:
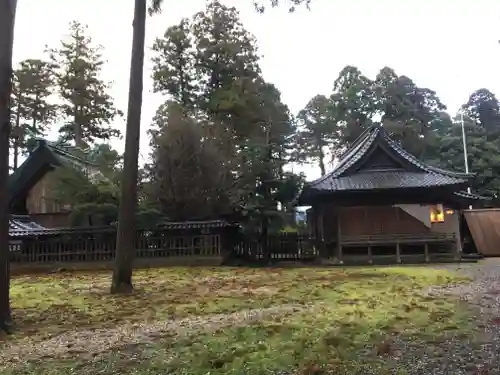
449	46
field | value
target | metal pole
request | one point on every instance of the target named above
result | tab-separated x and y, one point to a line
466	159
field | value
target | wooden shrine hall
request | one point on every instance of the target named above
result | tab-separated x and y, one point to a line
382	204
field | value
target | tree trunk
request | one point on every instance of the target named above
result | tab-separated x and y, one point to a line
322	161
17	135
7	17
77	128
15	162
126	237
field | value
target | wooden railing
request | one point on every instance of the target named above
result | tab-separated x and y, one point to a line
98	244
390	239
280	247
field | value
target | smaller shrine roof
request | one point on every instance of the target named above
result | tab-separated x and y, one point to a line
375	162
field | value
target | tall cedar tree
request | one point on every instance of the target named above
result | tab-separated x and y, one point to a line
7	17
318	122
484	108
481	121
87	108
188	176
406	109
213	72
33	84
173	65
126	237
203	64
352	98
267	150
122	274
226	64
333	123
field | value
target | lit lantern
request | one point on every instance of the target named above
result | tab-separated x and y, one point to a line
437	214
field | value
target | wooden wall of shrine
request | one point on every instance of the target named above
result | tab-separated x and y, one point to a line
332	221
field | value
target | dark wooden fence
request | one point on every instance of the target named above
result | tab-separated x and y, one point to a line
276	247
181	240
215	241
98	244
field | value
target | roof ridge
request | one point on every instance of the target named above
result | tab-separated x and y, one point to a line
364	138
360	138
68	154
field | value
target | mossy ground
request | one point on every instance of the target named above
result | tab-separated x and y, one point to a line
348	310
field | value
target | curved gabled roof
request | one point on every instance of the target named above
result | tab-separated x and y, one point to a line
407	170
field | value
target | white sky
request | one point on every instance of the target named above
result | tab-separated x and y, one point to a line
449	46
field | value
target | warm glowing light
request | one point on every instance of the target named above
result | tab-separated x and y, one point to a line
449	212
437	213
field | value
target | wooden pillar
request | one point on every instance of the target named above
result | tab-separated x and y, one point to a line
398	247
321	224
315	228
457	217
458	249
339	236
365	231
426	252
365	224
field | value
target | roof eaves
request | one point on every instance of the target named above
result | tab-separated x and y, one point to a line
464	194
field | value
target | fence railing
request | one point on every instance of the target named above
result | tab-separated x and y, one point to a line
224	243
99	244
401	238
276	247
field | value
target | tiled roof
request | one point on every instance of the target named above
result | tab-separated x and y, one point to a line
410	173
22	225
194	224
386	180
26	228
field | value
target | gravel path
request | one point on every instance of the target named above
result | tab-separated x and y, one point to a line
479	355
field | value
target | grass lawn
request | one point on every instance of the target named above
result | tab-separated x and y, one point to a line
225	320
